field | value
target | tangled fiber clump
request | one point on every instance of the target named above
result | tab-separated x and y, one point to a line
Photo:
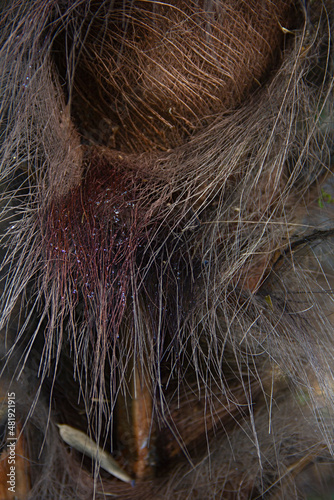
166	241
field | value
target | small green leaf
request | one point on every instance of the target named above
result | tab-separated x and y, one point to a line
269	302
324	197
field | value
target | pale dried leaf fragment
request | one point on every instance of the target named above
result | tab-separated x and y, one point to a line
83	443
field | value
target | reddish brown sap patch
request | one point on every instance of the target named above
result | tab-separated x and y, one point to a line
92	239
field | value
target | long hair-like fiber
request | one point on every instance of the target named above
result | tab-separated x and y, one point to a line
167	249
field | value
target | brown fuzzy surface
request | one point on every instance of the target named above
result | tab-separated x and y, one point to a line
166	70
166	244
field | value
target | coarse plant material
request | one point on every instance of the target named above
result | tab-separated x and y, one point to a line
166	242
